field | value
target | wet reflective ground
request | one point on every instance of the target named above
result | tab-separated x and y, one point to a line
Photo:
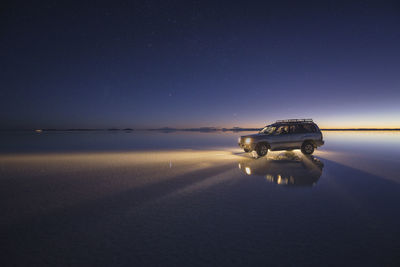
194	199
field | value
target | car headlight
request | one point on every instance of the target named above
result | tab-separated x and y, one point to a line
247	141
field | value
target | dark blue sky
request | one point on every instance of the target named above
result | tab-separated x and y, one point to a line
199	63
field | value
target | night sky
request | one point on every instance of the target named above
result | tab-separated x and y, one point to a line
199	63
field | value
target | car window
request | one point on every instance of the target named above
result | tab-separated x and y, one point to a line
282	130
302	128
309	128
268	130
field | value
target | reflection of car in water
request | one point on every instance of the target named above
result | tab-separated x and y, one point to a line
285	169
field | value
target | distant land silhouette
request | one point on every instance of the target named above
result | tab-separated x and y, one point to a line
200	129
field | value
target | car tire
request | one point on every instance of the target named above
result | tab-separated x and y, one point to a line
246	150
307	148
262	149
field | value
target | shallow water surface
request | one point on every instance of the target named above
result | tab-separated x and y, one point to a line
195	199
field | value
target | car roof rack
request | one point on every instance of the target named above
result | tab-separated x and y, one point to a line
295	120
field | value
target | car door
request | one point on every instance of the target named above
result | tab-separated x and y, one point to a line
280	139
294	136
300	133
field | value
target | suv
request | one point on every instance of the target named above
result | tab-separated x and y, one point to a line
284	135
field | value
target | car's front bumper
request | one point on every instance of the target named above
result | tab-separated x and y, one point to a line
249	147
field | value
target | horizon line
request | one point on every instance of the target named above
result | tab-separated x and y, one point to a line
206	128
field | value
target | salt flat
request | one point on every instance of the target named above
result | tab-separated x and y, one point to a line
198	201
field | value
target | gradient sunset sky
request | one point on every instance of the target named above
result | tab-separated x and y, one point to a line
199	63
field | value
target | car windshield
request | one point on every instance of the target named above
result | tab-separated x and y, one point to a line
268	129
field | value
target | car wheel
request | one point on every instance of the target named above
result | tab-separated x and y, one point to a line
307	148
262	149
246	150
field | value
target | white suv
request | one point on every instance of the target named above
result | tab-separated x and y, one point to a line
291	134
